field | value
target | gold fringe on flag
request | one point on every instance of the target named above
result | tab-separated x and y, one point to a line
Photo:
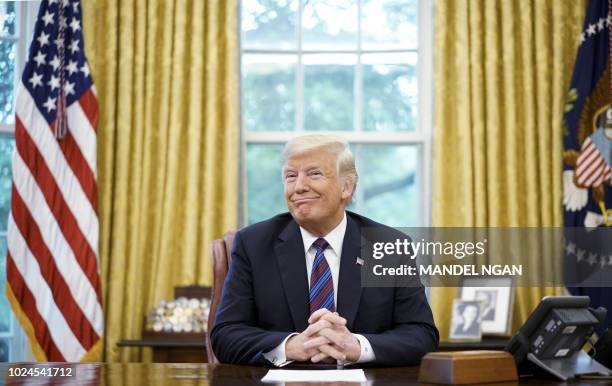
93	355
26	324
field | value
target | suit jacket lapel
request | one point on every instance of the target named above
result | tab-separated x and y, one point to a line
349	282
289	251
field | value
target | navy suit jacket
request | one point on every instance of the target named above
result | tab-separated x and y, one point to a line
266	297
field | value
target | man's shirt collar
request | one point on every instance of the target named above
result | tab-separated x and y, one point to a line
334	238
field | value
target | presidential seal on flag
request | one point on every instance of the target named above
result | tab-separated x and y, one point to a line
591	169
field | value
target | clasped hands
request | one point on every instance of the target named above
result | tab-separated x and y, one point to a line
326	338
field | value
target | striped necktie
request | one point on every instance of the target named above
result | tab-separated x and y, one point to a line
321	283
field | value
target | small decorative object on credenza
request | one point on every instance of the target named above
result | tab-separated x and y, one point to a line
175	329
182	319
179	315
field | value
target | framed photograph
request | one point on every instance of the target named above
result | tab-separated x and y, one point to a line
497	298
466	321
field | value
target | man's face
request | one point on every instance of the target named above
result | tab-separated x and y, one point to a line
484	297
315	194
469	313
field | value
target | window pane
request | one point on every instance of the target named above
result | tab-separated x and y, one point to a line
388	24
385	194
269	23
7	144
328	92
8	17
264	182
389	92
269	92
5	311
329	24
387	189
4	349
7	70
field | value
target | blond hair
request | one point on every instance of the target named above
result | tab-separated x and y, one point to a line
334	144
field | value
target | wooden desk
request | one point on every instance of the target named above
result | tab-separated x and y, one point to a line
201	374
173	351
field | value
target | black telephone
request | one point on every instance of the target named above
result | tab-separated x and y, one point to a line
553	336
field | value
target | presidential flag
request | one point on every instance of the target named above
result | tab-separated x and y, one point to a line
587	158
53	281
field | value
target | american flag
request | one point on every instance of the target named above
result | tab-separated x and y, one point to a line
591	166
587	154
53	282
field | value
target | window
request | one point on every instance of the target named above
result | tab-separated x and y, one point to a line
358	68
16	24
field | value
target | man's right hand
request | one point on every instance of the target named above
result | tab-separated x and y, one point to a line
295	351
295	348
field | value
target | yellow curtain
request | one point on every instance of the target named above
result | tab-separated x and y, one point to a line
166	73
502	71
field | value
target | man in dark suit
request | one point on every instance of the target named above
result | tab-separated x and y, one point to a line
293	291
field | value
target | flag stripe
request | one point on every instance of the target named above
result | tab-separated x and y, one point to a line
587	150
593	173
79	167
54	279
83	134
68	184
58	206
588	166
81	286
28	305
587	161
59	331
89	104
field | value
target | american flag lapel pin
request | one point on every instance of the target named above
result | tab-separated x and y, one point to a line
359	261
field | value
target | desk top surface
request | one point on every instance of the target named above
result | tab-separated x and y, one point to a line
192	374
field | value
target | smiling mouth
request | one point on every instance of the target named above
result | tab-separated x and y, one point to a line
303	200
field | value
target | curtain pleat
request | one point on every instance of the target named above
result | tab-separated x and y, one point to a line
166	73
502	71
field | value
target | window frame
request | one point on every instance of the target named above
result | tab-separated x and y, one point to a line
421	137
26	19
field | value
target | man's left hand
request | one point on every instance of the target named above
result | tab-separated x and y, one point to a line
336	341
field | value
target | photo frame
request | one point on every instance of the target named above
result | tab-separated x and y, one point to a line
497	297
466	322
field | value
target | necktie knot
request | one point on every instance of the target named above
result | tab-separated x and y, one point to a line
321	244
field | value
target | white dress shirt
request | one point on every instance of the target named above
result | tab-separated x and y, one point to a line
335	239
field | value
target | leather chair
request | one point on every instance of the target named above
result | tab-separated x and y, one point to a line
221	254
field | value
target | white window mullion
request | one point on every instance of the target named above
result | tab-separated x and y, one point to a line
425	103
357	116
242	170
359	197
394	138
338	51
299	75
